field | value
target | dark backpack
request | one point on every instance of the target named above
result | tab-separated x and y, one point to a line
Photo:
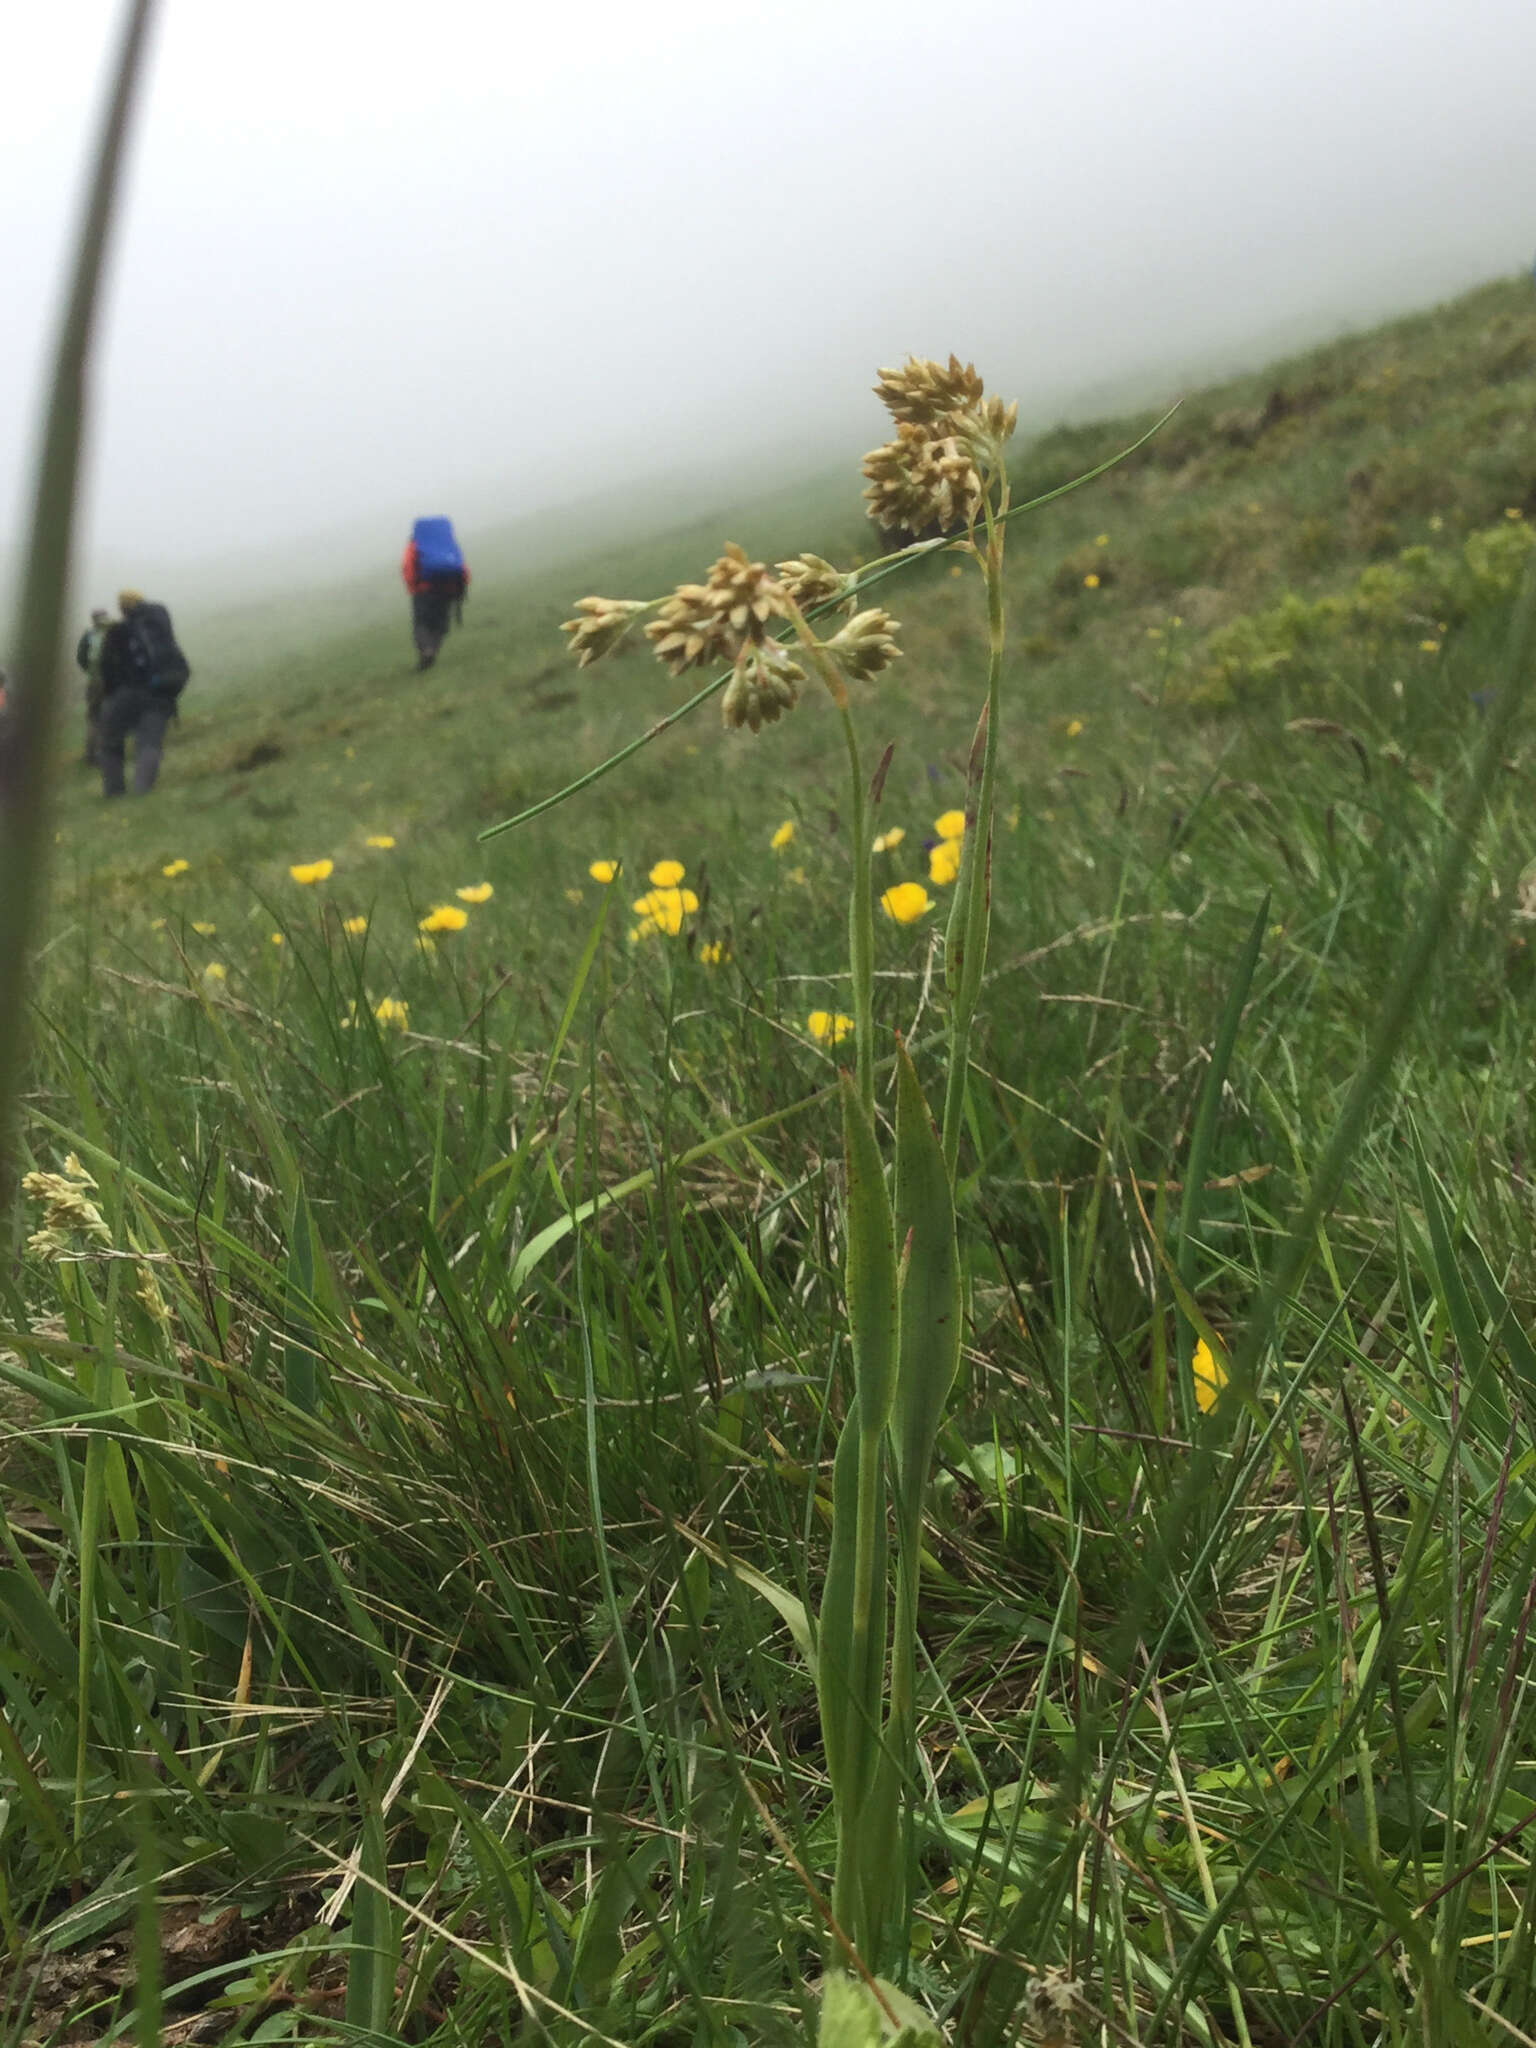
158	662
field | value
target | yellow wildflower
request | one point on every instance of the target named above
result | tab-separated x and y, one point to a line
604	870
662	910
204	931
828	1027
477	892
309	872
1429	646
944	862
1513	512
798	876
390	1010
214	971
1209	1375
443	917
887	842
714	952
354	927
1101	540
383	840
1090	581
1074	727
173	868
783	835
951	825
667	874
905	902
278	939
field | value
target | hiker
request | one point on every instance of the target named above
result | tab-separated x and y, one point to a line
88	660
143	673
435	574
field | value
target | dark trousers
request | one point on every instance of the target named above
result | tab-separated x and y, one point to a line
95	696
430	613
145	714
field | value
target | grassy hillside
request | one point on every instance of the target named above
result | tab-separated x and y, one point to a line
448	1345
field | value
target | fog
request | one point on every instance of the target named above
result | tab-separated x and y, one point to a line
379	258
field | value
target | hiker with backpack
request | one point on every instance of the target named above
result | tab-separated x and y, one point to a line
435	573
88	660
143	673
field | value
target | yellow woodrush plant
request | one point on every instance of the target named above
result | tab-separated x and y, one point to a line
943	480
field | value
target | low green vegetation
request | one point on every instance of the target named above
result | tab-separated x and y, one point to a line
427	1328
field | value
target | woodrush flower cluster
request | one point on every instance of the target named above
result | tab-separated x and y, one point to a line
749	618
949	444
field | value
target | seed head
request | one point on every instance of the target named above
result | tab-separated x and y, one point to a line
765	685
702	623
915	482
865	646
922	391
811	581
67	1208
602	623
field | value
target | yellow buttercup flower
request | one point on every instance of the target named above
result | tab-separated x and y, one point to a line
905	902
1090	581
312	871
173	868
1101	540
944	862
828	1027
383	840
667	874
214	971
783	835
1074	727
204	931
443	917
1209	1375
390	1010
714	952
278	939
951	825
663	910
354	927
887	842
604	870
478	892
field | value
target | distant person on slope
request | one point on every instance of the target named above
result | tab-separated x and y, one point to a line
88	660
143	673
435	574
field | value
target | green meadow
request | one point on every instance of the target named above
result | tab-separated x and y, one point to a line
433	1307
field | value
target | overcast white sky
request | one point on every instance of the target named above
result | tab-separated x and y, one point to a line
384	256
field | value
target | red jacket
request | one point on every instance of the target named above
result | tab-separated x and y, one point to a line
414	581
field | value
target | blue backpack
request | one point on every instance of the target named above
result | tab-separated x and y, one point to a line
437	552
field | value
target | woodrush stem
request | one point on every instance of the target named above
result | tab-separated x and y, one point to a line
972	913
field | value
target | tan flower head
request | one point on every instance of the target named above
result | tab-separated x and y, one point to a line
865	645
915	482
600	625
765	685
67	1208
922	391
811	581
702	623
